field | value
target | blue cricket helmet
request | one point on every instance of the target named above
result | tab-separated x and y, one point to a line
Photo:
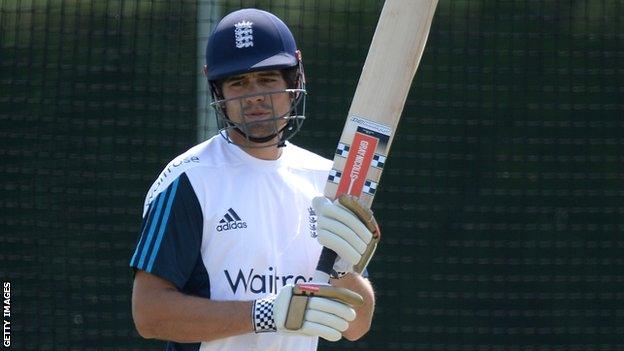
249	40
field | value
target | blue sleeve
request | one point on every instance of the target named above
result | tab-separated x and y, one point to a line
171	234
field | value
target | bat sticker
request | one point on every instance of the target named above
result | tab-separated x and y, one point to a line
334	176
358	162
378	160
371	125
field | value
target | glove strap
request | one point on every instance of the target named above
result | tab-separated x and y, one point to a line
263	319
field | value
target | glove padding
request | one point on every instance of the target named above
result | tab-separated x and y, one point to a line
349	228
308	309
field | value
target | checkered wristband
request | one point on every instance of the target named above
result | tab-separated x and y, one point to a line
263	315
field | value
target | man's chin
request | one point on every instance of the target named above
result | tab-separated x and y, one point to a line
251	135
263	131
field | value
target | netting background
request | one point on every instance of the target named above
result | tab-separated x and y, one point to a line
501	206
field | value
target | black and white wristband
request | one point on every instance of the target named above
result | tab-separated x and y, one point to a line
262	314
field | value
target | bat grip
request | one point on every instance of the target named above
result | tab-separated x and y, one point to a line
325	266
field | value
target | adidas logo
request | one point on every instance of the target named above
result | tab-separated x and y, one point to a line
231	221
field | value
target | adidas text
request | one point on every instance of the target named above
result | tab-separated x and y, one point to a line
231	225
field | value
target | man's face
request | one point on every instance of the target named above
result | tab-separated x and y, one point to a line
253	106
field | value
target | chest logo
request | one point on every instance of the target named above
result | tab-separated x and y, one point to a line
231	221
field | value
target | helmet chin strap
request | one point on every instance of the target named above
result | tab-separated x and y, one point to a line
261	139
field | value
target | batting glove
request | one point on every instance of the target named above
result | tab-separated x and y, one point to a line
349	228
307	309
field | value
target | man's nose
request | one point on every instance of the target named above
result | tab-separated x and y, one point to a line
255	93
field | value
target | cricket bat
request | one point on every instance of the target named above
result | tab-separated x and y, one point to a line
392	60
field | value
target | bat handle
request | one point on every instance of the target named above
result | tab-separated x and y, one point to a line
324	266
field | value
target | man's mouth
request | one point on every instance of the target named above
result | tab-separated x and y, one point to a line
258	115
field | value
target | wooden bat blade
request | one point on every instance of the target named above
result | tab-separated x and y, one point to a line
395	52
393	57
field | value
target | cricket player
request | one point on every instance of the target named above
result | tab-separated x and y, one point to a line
234	224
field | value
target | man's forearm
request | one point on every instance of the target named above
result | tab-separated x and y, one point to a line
167	314
362	286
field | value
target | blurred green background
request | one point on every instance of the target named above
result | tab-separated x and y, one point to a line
502	205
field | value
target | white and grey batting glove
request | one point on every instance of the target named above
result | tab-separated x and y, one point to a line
307	309
349	228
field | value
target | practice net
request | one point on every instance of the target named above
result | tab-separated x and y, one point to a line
502	205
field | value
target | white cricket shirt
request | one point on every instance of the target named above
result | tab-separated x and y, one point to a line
222	224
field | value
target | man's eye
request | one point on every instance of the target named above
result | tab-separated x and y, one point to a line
237	83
